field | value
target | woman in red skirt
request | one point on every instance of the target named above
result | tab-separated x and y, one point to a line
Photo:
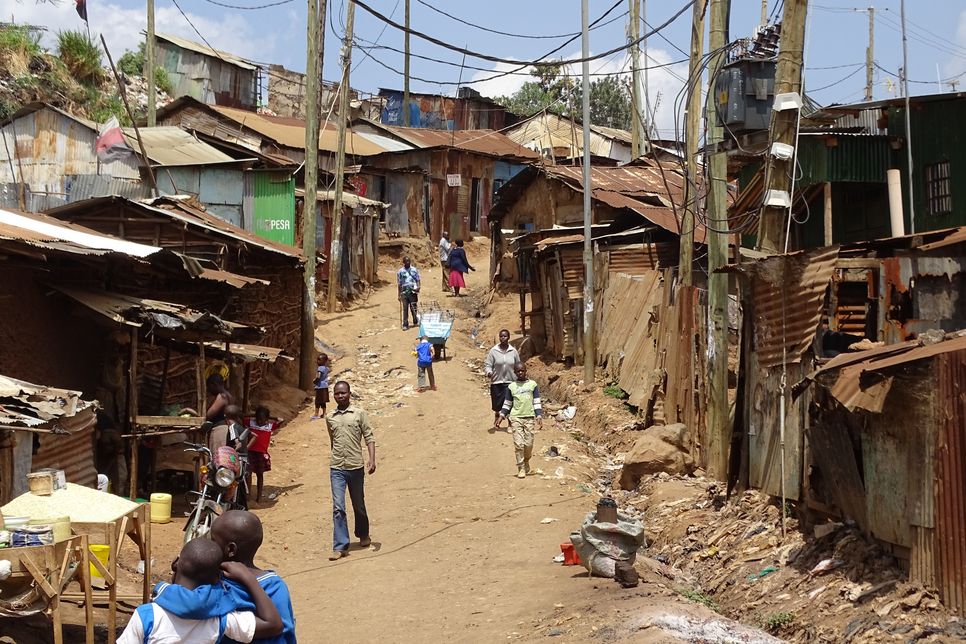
458	265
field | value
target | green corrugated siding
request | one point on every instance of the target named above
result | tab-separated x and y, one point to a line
939	134
274	207
862	159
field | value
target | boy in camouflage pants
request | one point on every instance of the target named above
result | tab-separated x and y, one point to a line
522	406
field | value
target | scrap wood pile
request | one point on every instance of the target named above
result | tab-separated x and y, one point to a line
828	584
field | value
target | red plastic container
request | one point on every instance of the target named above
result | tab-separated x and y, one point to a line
571	558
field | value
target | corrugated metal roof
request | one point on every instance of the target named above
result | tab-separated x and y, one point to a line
44	231
165	319
564	136
291	132
247	352
488	142
172	146
24	404
29	108
178	208
208	51
350	199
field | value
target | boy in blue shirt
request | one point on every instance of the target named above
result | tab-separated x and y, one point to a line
239	535
424	364
196	606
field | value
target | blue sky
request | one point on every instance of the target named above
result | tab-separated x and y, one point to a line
835	48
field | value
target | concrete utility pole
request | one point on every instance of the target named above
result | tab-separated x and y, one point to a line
692	126
869	58
716	213
590	343
764	12
405	112
149	65
784	125
637	95
335	249
315	20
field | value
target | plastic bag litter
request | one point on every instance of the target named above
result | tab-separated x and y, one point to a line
602	545
567	413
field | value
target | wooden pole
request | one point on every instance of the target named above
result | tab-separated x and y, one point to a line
869	55
130	115
784	125
312	76
405	112
335	253
132	409
149	65
590	343
637	95
246	387
719	427
692	125
827	219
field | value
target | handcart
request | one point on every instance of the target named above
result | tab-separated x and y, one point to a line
436	324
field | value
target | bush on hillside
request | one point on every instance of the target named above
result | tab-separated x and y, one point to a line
81	56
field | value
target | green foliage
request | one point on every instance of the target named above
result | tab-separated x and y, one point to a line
132	62
21	40
614	391
700	598
162	81
81	56
776	622
108	106
610	103
551	90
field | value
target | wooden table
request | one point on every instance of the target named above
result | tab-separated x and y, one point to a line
49	568
135	524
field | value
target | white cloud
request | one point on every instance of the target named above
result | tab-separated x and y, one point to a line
956	65
122	27
663	85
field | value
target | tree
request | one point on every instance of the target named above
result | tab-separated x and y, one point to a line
610	97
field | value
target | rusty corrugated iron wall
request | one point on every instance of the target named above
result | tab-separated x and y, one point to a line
949	547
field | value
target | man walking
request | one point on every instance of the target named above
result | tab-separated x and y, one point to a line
444	248
348	427
407	282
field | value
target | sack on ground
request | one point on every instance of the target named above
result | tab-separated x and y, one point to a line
602	545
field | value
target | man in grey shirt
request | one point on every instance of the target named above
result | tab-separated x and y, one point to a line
499	368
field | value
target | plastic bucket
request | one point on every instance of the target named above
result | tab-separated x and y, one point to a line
102	553
160	508
59	525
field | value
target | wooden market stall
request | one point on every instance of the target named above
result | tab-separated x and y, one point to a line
101	519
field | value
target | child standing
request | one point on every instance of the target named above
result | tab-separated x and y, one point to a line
424	363
522	405
238	439
259	460
196	607
321	386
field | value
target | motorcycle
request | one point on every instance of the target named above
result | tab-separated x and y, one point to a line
221	477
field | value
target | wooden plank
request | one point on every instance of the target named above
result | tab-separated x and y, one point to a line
189	422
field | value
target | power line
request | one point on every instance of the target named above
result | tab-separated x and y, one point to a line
841	80
379	37
512	35
525	63
241	8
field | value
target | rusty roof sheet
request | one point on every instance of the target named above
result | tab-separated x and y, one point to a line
290	132
232	279
165	319
246	352
172	146
207	51
489	142
789	291
24	404
859	384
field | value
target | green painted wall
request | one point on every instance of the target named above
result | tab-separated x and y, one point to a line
274	207
939	134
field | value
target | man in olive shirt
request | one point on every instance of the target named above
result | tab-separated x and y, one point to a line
348	427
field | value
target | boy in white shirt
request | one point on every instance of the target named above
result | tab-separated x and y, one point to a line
196	606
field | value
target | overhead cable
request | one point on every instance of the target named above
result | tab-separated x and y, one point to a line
524	63
512	35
